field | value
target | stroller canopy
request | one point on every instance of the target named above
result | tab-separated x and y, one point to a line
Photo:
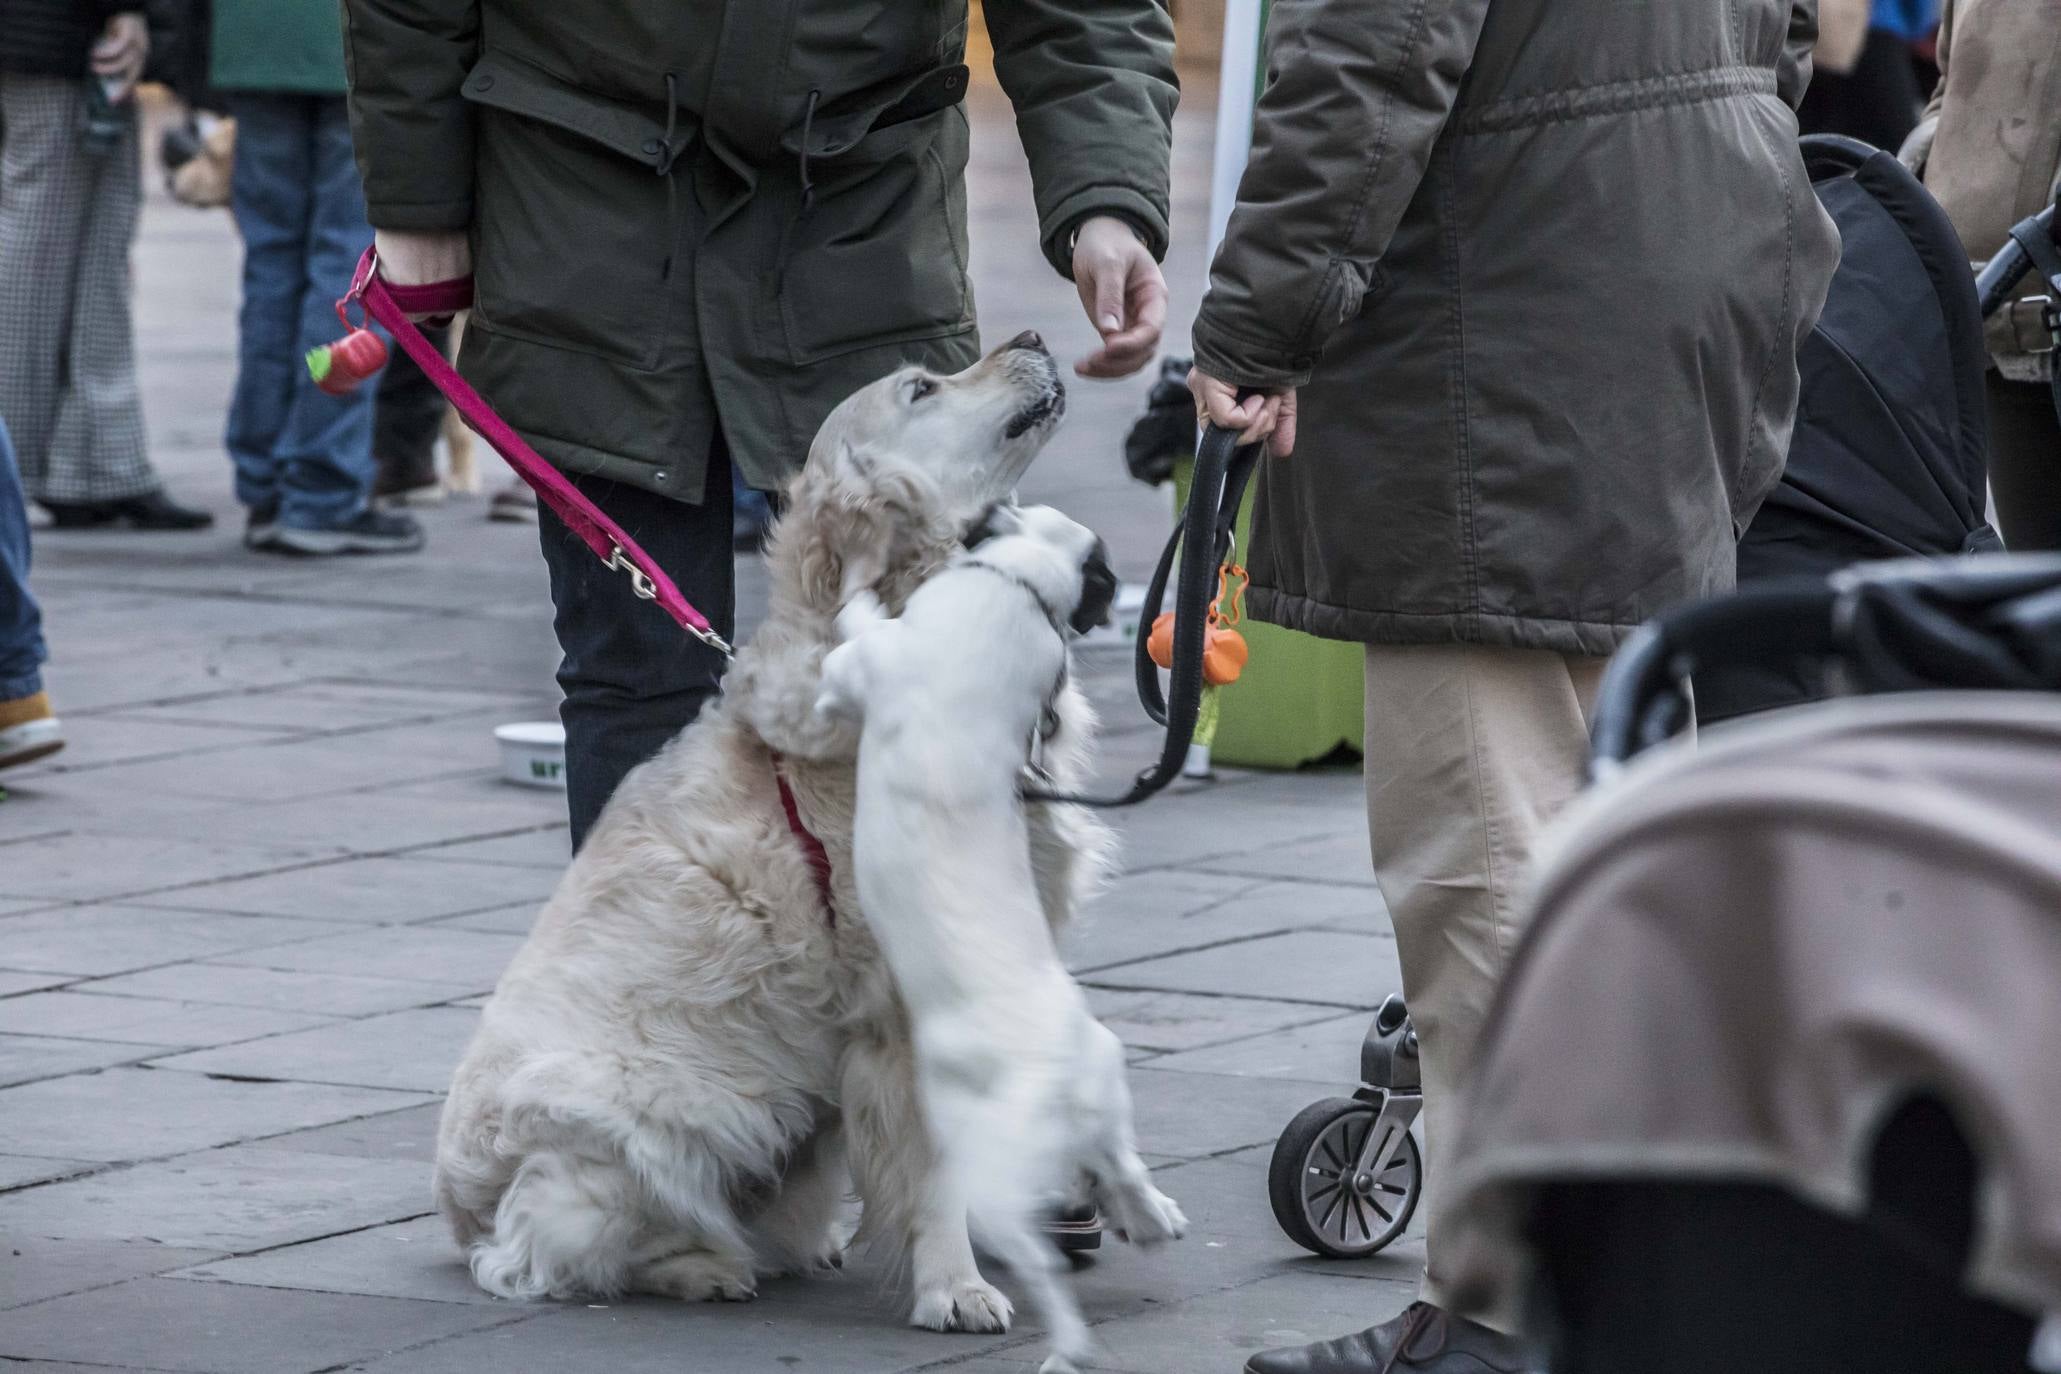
1744	959
1890	454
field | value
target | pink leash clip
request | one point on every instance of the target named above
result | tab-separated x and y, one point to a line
391	306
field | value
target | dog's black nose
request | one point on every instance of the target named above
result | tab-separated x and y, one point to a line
1030	339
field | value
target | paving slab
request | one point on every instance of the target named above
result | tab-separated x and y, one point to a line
1202	827
775	1335
189	1025
409	1050
219	1328
96	941
1319	966
410	1133
324	707
321	994
410	1259
33	1268
13	983
515	919
19	1171
135	1113
1194	1115
398	818
1214	1334
1342	857
268	770
432	954
373	891
1182	1021
118	740
31	1058
83	867
549	848
233	1200
1134	921
1312	1050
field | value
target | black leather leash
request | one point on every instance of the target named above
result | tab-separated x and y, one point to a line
1223	468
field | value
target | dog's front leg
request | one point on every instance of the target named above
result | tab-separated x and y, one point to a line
909	1204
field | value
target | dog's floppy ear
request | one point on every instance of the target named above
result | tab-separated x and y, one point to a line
1098	590
998	519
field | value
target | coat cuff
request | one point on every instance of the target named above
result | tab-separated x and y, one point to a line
429	217
1126	204
1245	362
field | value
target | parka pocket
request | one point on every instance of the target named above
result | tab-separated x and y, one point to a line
880	255
576	230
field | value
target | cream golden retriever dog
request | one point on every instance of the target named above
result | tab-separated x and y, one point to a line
671	1079
1024	1090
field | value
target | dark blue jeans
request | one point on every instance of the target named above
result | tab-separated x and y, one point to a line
632	678
21	624
301	211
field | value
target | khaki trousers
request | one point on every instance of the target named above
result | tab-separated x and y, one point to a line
1471	752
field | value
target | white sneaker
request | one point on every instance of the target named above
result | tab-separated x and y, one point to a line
28	731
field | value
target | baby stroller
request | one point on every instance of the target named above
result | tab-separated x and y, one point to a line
1771	1082
1889	460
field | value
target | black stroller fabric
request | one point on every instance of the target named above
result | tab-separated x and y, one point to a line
1891	449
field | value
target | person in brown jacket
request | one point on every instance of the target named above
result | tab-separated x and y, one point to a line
1989	147
1531	275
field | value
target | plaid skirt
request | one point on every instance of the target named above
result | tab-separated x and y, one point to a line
67	349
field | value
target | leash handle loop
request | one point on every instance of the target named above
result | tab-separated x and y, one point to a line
610	543
1223	468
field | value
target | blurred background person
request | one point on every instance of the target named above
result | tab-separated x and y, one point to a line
304	465
28	729
1868	82
1990	148
70	192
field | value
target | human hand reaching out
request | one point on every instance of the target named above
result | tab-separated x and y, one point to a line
1123	293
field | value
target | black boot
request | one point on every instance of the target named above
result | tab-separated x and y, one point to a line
1421	1338
151	511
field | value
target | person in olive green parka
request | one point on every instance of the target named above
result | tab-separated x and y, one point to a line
693	229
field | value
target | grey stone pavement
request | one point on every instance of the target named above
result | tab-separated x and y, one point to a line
248	917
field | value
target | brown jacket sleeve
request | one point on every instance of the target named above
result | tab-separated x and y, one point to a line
1356	97
1793	78
1094	88
406	60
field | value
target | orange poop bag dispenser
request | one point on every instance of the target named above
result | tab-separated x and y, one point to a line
1223	648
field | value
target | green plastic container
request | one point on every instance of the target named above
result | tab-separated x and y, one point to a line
1299	699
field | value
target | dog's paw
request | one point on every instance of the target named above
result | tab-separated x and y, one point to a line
969	1305
1146	1216
699	1278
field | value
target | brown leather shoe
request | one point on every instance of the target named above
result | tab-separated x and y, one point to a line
1421	1338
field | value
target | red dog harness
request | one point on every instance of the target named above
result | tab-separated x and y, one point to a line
391	306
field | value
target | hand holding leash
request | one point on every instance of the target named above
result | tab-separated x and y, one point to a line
1223	467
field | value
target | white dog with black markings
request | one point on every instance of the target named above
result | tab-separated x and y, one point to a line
1023	1089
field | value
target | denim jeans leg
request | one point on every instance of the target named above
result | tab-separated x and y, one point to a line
21	624
632	678
271	202
325	452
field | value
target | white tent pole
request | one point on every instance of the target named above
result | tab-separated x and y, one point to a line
1238	81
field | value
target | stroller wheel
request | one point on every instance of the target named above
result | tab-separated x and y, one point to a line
1322	1198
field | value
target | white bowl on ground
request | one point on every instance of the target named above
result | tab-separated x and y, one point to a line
533	753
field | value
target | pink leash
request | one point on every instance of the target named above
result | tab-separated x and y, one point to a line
391	306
